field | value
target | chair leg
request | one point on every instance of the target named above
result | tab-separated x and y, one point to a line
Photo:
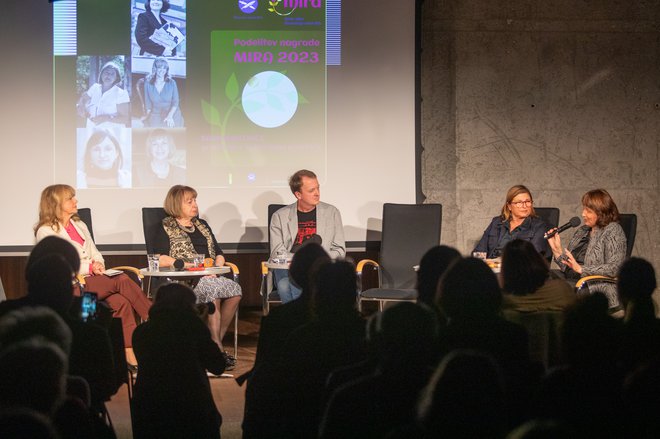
236	334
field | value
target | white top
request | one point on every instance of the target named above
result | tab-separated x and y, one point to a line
105	103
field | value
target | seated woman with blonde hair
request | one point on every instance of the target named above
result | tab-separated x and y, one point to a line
58	215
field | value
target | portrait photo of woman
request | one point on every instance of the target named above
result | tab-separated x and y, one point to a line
104	160
161	97
106	102
163	162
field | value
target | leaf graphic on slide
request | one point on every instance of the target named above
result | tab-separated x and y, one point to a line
302	99
211	114
231	88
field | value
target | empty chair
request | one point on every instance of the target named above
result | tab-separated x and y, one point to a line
409	231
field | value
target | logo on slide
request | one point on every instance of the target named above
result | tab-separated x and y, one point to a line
286	7
248	6
270	99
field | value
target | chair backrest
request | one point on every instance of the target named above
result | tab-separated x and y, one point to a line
628	223
272	208
85	215
409	231
550	215
152	218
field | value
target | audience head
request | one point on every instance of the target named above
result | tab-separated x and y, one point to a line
172	297
432	266
33	375
54	245
523	269
405	335
335	287
27	322
590	336
518	193
50	283
600	202
50	205
464	398
542	429
636	280
641	395
175	198
307	258
22	423
469	289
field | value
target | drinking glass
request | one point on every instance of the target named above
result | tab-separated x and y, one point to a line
198	260
153	259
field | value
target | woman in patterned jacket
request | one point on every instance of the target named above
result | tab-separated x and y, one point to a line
182	236
596	248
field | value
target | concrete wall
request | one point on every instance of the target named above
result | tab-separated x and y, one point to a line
560	95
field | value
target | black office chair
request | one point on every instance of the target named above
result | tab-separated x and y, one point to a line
85	215
549	215
409	231
152	220
628	222
267	289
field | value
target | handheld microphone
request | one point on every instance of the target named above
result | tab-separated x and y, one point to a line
573	222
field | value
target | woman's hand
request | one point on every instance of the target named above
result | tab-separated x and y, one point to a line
97	267
572	263
219	261
167	52
555	243
169	122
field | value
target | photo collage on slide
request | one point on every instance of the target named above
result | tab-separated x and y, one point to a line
130	119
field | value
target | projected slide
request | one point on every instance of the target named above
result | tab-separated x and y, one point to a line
215	94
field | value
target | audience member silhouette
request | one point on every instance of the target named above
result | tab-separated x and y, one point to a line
372	406
641	395
172	396
465	398
433	265
24	423
49	272
641	329
72	417
526	282
586	393
261	414
33	375
334	338
470	297
542	429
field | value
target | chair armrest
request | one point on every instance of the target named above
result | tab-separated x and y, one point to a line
234	270
133	270
232	267
264	268
580	283
81	279
363	262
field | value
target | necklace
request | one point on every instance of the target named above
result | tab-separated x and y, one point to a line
189	229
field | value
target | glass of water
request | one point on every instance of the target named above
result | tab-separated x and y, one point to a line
154	261
479	255
198	260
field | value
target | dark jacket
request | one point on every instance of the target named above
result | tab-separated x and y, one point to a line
172	392
532	230
145	27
